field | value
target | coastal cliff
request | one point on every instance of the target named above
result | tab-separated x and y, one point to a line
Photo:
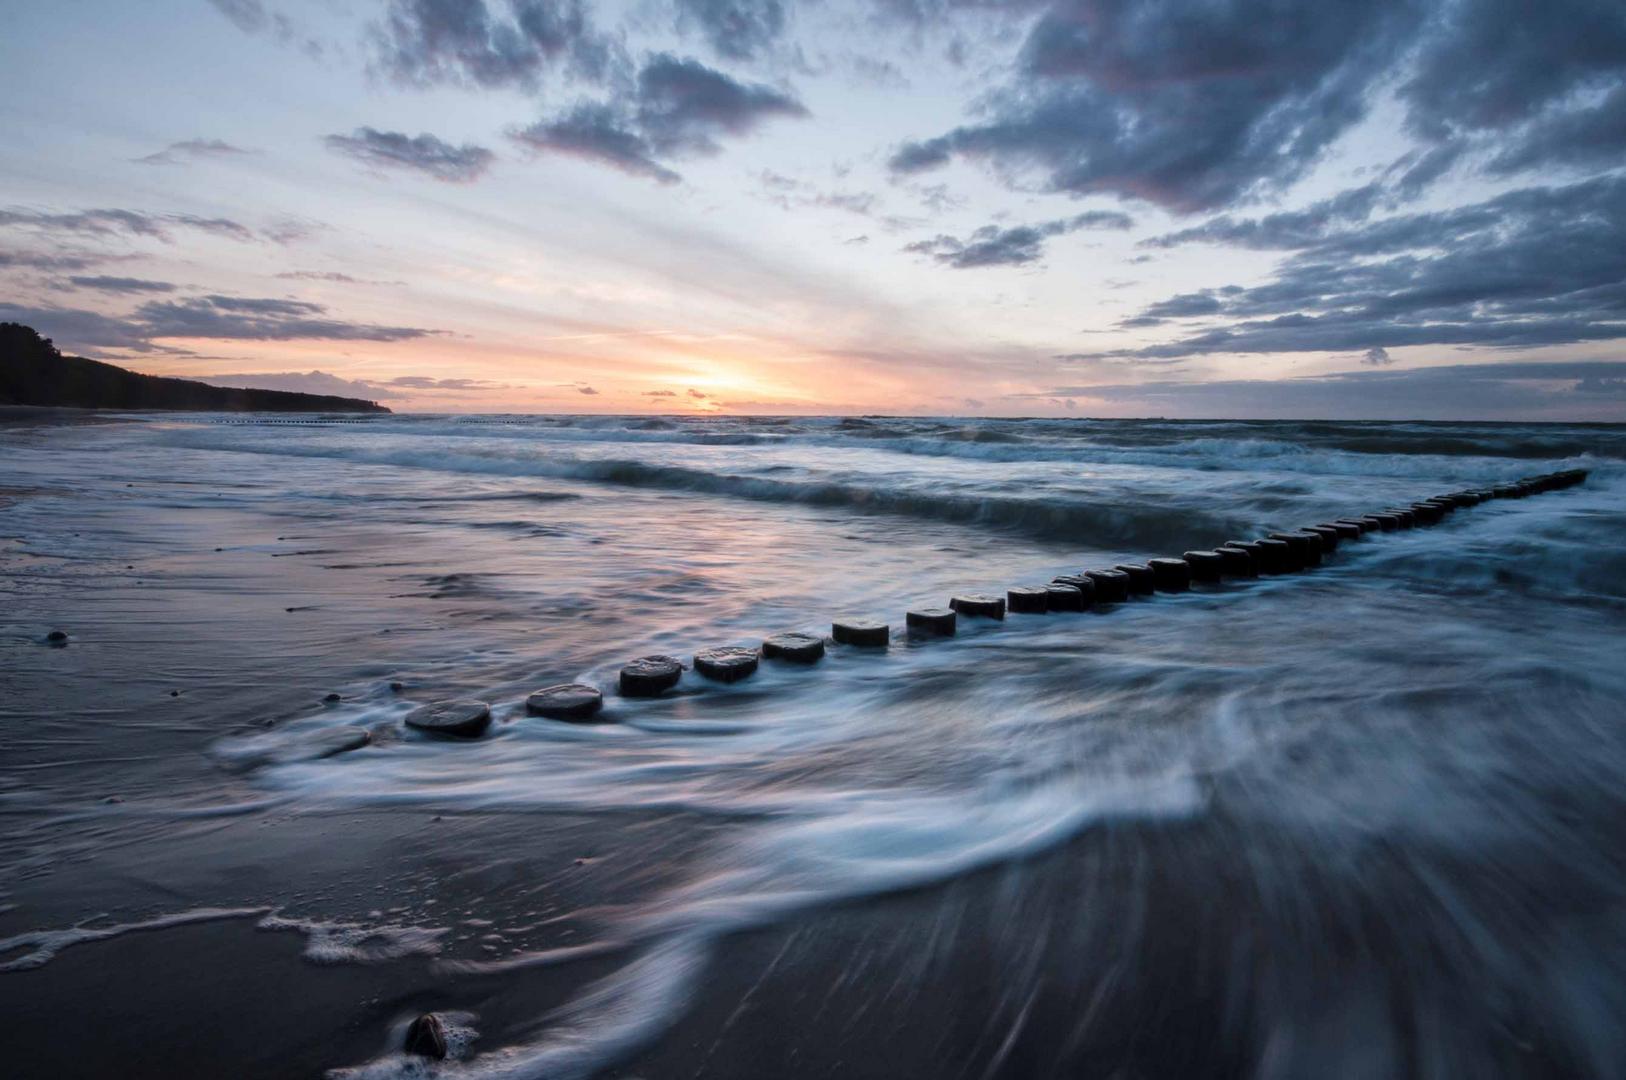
33	372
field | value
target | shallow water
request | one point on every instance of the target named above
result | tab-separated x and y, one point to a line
1359	821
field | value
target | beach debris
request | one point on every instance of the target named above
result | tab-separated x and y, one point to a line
795	646
460	719
980	604
565	701
726	663
426	1037
650	676
870	633
935	621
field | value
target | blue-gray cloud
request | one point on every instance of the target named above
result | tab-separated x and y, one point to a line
473	43
1446	392
234	318
422	153
1019	245
1201	106
678	108
735	29
104	283
114	222
177	153
1532	267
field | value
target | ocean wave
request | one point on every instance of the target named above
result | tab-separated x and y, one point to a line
1050	517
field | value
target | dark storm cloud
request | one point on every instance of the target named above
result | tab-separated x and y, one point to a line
126	285
735	29
1529	268
1457	391
1200	106
1377	357
1593	137
192	150
1485	65
1189	106
679	108
423	153
489	45
992	245
108	222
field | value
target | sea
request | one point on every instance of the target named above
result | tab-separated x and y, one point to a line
1368	820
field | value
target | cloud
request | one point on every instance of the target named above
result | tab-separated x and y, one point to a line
321	382
735	29
597	133
1377	356
426	382
113	222
586	390
234	318
1200	106
678	108
464	42
254	17
792	194
122	284
423	153
258	319
659	393
992	245
1188	106
34	260
192	150
1517	390
331	276
697	395
1528	268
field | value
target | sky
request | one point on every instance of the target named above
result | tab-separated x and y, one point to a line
1246	208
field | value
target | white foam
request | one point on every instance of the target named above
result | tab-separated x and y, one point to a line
356	943
43	945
